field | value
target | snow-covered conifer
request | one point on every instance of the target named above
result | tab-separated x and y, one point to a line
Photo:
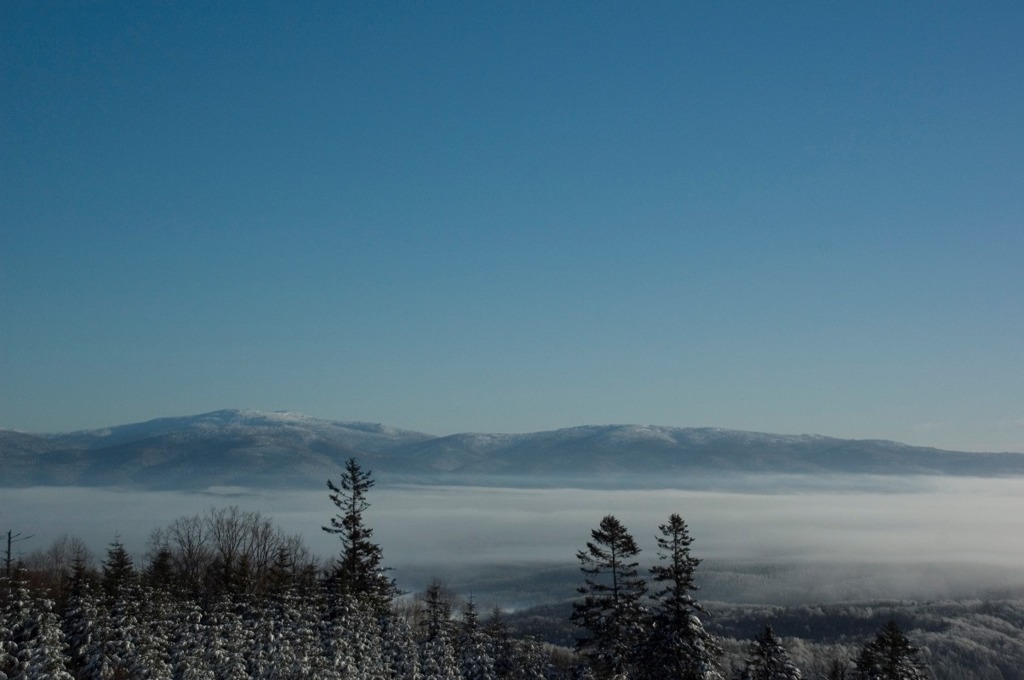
295	620
14	610
437	659
611	610
676	644
529	662
96	652
33	645
500	644
152	639
231	639
352	640
81	620
768	659
890	656
189	641
437	650
8	660
399	653
473	647
44	651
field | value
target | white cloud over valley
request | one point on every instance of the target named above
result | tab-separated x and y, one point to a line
949	523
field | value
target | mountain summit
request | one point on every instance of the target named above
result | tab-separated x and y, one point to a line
284	449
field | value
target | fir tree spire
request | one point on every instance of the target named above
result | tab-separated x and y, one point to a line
358	570
611	610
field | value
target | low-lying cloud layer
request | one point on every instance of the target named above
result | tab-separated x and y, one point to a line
950	523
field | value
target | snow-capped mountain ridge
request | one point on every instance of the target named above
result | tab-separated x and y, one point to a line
275	448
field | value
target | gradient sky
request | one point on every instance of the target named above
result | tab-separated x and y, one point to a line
515	216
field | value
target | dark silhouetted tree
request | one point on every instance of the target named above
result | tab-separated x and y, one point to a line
611	610
358	570
119	573
890	656
676	644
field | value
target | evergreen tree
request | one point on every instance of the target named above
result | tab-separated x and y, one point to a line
130	635
96	649
300	653
677	645
191	639
281	574
674	575
358	570
122	632
890	656
231	639
474	651
351	640
399	654
45	651
8	649
15	618
160	574
437	659
152	639
529	662
81	619
768	660
437	650
611	609
33	644
501	647
118	571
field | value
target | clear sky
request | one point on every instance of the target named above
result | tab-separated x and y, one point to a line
514	216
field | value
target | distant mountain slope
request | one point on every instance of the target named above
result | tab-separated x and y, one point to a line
220	448
259	448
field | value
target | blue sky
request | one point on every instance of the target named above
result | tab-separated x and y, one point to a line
455	216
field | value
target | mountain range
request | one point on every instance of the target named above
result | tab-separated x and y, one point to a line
284	449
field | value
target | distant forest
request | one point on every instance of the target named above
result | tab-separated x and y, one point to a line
228	595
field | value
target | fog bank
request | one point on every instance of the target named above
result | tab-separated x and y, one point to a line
950	523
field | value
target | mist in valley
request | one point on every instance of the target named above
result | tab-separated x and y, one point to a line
785	539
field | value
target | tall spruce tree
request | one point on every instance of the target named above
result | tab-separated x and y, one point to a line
610	611
358	570
677	645
890	656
